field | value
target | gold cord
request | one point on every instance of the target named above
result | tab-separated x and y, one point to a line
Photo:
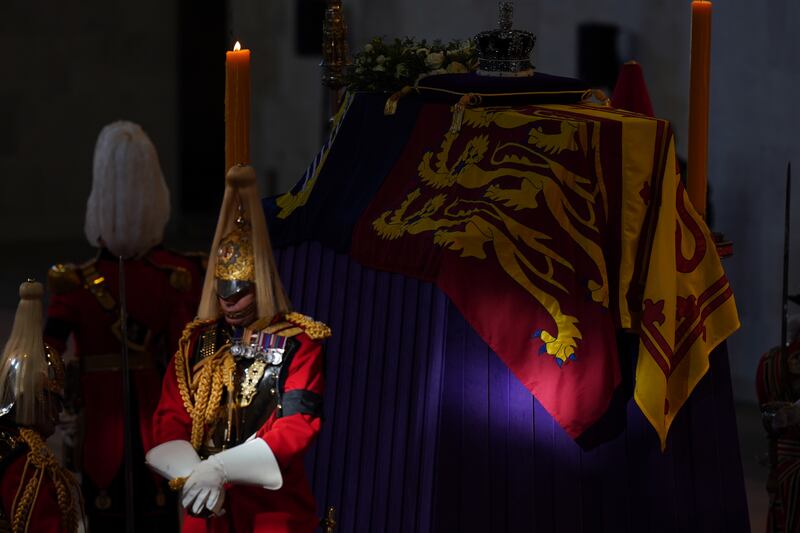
202	393
177	483
42	460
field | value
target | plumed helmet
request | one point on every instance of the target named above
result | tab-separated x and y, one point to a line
128	207
235	270
241	255
31	373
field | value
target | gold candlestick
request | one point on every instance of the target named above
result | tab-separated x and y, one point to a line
335	58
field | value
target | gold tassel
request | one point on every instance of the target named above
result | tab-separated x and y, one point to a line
468	100
390	108
596	97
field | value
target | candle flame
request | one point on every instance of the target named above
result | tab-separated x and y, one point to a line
237	47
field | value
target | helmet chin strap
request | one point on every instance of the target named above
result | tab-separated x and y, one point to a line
250	310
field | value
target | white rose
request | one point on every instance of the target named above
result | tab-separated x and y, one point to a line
368	48
378	68
380	59
434	60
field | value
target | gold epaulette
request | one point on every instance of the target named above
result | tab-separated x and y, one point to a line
62	278
180	278
314	329
283	329
95	283
198	323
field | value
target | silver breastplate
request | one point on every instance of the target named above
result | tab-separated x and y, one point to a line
257	383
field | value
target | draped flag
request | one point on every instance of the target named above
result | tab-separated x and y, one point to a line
550	227
510	217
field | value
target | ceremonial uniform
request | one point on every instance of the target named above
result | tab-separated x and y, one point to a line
242	398
51	504
776	393
162	293
37	494
271	373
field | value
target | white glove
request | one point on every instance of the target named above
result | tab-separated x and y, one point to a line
204	486
68	424
172	459
250	463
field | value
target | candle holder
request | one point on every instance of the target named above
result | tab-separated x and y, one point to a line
335	60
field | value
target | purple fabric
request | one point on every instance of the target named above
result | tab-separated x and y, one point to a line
427	431
540	82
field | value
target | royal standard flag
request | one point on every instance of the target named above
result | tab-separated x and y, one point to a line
549	226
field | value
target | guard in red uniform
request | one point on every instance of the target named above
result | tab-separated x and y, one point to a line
126	214
242	398
778	389
36	493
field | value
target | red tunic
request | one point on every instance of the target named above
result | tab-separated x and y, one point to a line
46	516
291	509
158	300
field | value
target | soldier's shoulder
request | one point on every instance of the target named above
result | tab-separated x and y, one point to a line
200	326
197	259
315	329
66	277
11	444
185	269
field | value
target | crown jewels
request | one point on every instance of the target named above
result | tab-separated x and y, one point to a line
505	52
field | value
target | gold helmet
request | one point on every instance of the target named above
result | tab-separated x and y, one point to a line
241	255
235	270
31	373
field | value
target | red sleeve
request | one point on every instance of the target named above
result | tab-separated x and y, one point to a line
62	318
290	436
171	421
46	516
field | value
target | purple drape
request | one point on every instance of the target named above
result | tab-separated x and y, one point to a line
426	430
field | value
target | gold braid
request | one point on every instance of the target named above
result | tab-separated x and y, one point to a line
314	329
43	461
202	393
208	396
182	359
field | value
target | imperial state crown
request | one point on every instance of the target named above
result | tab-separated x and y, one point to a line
504	51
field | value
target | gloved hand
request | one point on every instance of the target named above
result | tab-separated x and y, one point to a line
172	459
250	463
204	486
68	424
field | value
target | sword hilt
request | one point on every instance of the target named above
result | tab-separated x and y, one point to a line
329	522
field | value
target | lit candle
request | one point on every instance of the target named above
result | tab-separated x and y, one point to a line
237	106
698	105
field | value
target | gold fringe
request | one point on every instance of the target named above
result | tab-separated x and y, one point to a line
314	329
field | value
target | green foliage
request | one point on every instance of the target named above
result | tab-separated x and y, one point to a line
390	66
